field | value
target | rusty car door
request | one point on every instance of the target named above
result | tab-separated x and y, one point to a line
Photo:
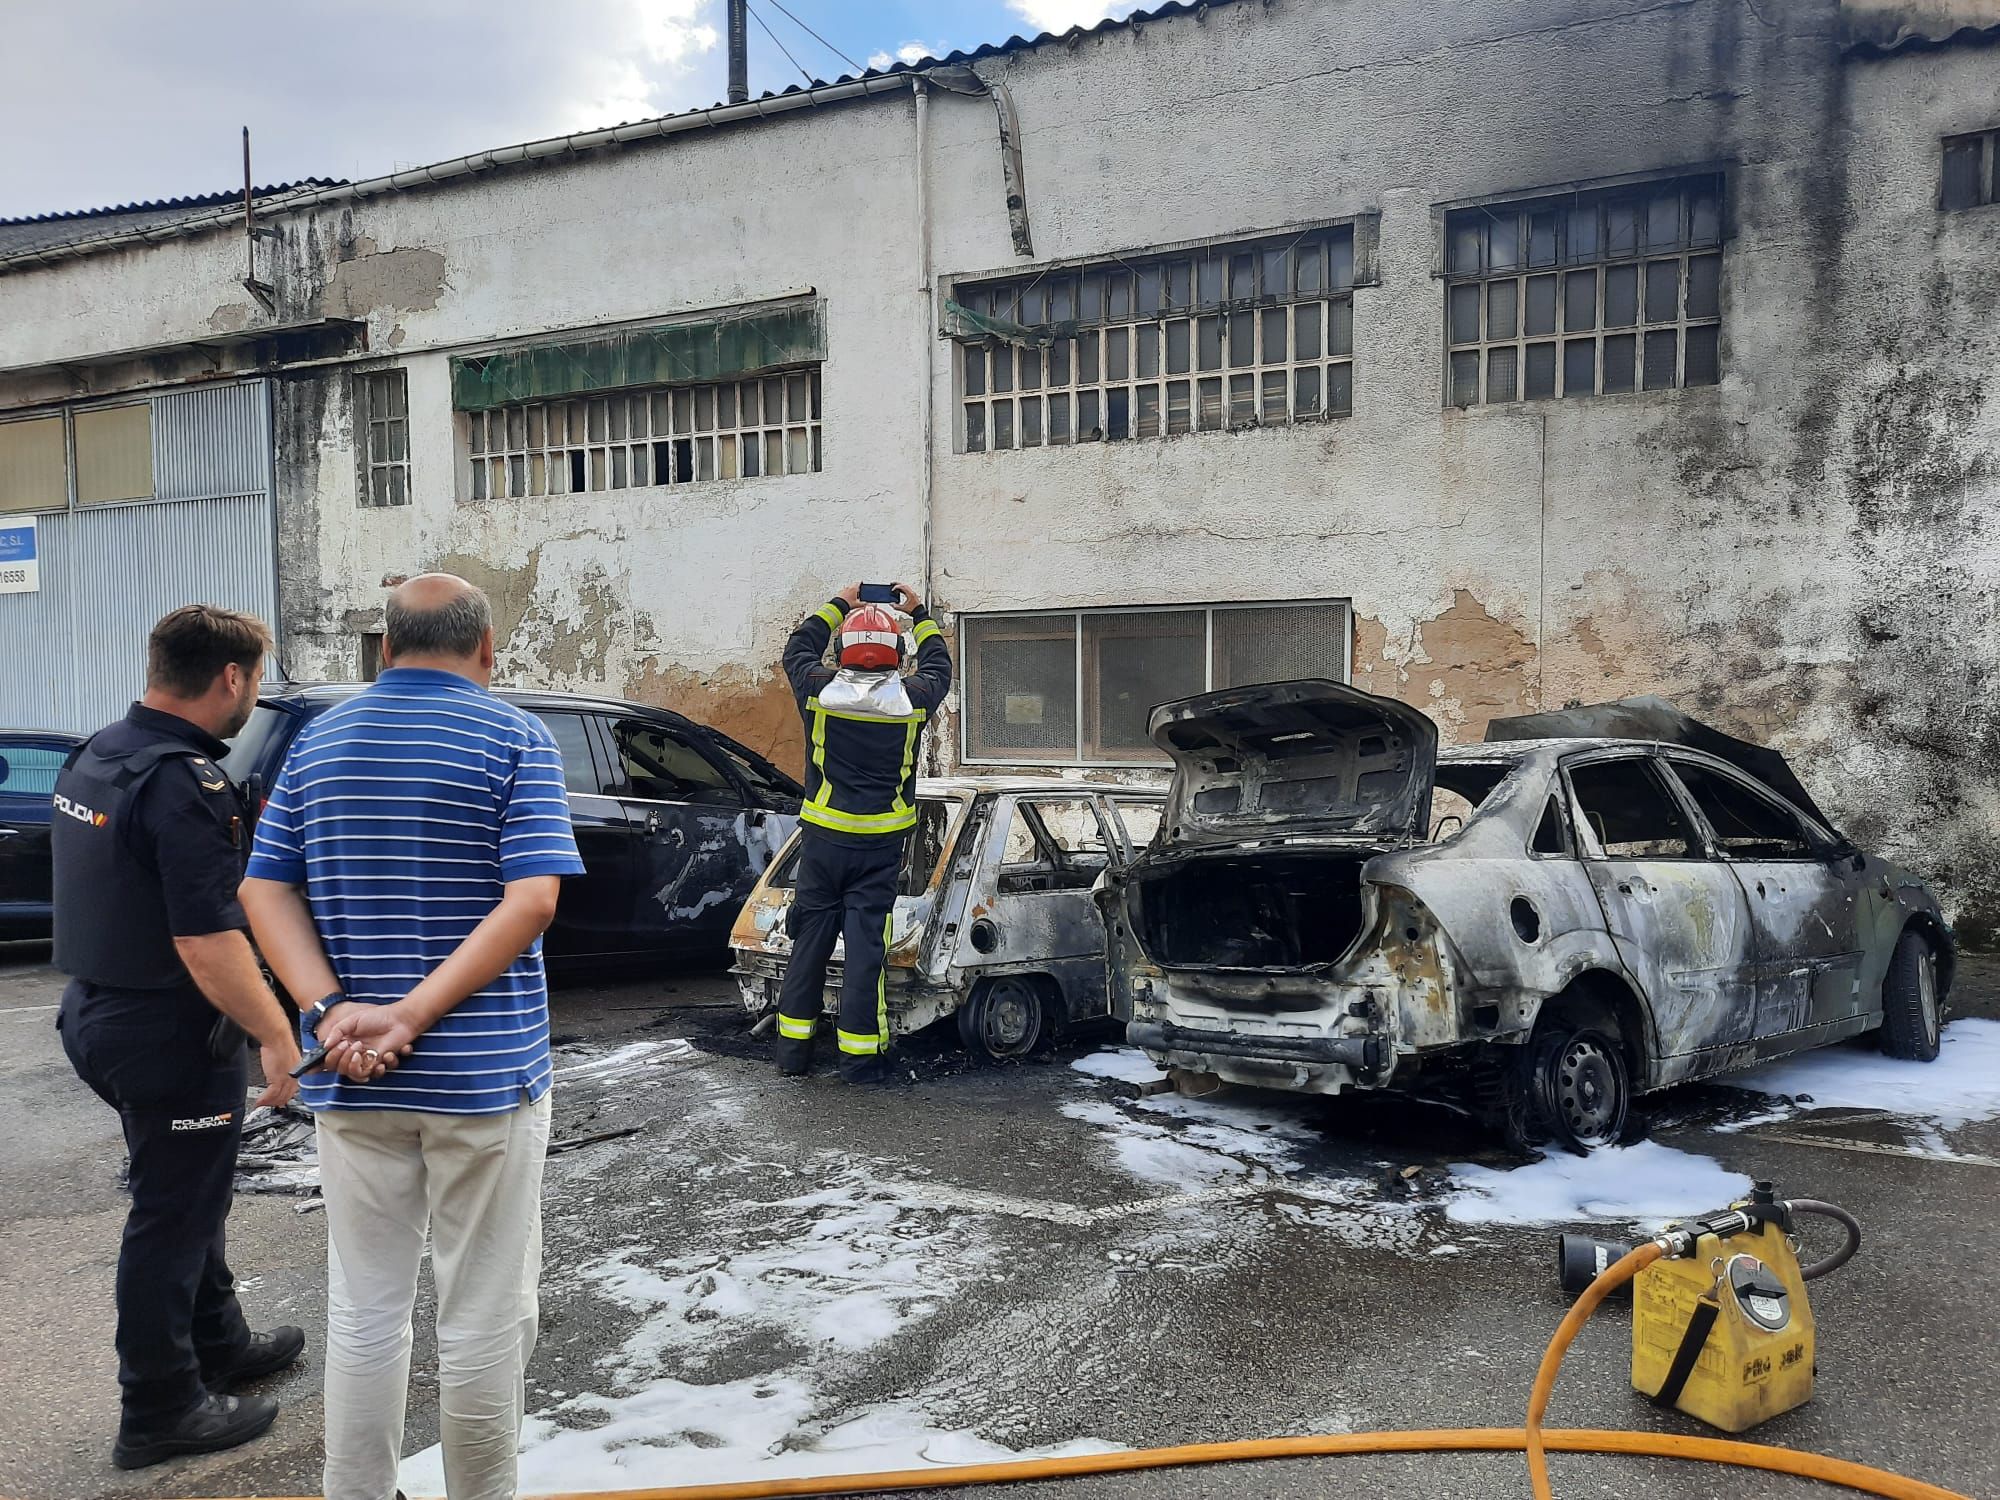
1028	902
1804	906
1676	914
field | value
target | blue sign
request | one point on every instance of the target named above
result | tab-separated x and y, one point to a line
20	572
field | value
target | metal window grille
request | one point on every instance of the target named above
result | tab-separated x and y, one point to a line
1228	337
1971	170
671	435
1078	687
382	412
1591	294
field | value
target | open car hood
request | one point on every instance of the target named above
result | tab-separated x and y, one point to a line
1283	759
1657	720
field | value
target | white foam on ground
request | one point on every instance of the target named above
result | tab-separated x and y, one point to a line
625	1061
1961	1086
1646	1184
1125	1064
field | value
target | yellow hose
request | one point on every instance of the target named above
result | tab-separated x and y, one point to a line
1531	1439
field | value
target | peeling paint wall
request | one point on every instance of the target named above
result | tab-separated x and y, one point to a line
1805	553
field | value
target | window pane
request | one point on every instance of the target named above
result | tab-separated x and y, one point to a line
1117	414
1580	300
1465	237
1148	361
1274	273
1087	364
1621	296
1340	262
1000	366
1621	229
1502	374
1021	688
1133	663
704	409
114	454
33	471
1503	242
1180	406
1117	353
1031	424
1209	341
1620	357
1062	298
1030	367
1308	268
1059	419
1242	400
1178	289
1209	416
1663	290
1340	327
1283	644
975	428
1580	367
1117	295
1704	298
1003	424
1178	352
1149	291
1209	274
1089	428
1541	305
1242	277
1339	390
596	421
1662	354
975	370
1058	364
1242	339
1465	313
1541	371
1582	231
1702	362
1465	378
1961	173
1503	303
1146	421
1705	219
1305	330
1276	321
1305	393
1542	239
1275	387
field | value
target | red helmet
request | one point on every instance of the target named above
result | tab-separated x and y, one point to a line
869	640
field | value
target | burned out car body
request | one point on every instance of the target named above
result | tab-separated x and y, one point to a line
1308	920
994	920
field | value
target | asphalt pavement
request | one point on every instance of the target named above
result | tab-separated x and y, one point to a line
746	1273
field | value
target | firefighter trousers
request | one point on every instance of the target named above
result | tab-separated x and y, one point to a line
845	892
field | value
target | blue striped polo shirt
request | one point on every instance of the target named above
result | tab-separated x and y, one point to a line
403	812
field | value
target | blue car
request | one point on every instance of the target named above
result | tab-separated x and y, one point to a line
29	761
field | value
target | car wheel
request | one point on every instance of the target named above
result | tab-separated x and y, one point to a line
1004	1018
1579	1090
1910	1013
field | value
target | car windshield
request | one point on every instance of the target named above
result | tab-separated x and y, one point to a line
936	817
248	750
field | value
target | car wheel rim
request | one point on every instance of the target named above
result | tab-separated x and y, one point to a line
1589	1091
1010	1018
1927	995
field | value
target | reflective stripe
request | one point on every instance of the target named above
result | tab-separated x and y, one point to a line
831	614
901	804
925	630
845	822
917	717
797	1030
882	982
867	638
857	1045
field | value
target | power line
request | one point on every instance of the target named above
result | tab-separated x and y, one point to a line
780	45
818	38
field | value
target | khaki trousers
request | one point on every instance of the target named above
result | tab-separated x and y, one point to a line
474	1182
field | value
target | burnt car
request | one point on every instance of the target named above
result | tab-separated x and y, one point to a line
1536	928
29	762
675	821
993	923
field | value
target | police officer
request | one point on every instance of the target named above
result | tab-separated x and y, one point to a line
149	841
864	727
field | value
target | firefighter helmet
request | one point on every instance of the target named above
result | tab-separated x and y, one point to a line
870	641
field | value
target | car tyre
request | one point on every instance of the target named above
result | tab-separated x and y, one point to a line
1578	1088
1004	1018
1912	1019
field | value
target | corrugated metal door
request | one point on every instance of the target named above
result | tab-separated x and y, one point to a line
74	653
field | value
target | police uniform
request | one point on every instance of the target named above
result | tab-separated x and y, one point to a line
149	839
860	805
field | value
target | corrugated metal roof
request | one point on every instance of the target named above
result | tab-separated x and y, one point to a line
40	231
1887	28
23	241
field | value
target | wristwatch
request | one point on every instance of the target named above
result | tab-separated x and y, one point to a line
315	1013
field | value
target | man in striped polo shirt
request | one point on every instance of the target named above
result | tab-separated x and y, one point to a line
404	870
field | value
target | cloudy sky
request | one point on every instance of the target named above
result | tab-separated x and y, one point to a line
110	101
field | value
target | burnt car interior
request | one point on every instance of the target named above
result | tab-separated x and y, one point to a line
1052	847
1278	908
659	768
1631	811
1747	825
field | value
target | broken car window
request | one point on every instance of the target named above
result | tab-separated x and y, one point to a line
1053	846
926	846
1549	834
1459	790
1747	824
655	765
1631	812
1141	820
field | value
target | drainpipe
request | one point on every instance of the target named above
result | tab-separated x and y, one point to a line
739	52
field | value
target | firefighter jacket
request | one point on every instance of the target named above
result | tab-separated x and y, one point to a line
863	731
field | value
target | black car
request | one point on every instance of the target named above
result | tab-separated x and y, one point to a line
675	821
29	761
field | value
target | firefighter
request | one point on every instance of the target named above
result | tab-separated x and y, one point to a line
864	727
149	841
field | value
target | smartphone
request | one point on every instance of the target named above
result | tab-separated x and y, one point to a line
879	593
310	1061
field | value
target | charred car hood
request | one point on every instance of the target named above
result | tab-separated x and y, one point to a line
1286	759
1657	720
